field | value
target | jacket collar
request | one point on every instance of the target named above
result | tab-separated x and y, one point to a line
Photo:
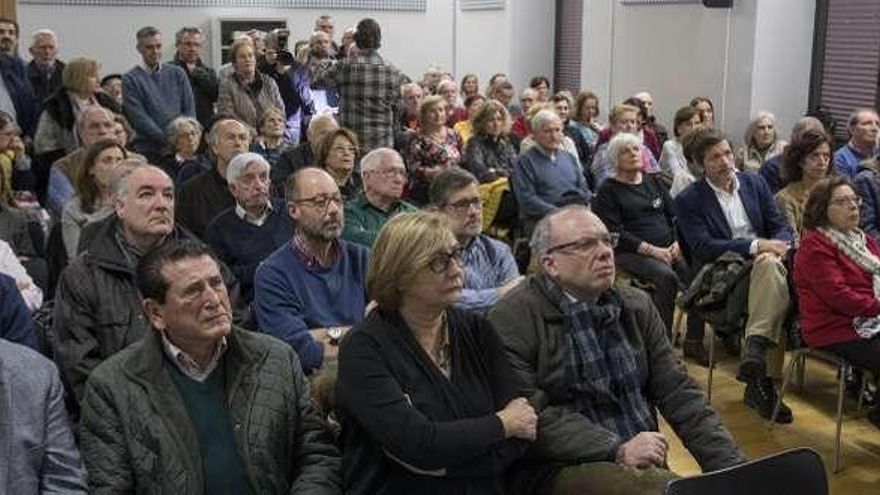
104	251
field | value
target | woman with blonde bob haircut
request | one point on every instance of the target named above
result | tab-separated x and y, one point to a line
490	153
428	401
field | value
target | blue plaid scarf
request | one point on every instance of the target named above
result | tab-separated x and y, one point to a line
604	371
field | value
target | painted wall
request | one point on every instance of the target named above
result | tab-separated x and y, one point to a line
517	40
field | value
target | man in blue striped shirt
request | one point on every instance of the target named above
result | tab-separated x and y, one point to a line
489	267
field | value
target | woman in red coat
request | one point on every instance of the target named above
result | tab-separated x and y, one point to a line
837	275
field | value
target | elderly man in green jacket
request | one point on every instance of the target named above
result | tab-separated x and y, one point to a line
597	366
200	406
384	176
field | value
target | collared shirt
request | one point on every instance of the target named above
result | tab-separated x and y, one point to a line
488	264
363	220
149	69
307	257
187	365
442	354
247	217
735	214
847	160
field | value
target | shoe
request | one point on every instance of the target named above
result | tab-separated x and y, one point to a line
731	344
753	365
761	396
874	417
853	377
694	350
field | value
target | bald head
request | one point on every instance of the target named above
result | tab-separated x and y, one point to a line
315	204
319	127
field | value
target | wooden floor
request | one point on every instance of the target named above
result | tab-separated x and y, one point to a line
814	426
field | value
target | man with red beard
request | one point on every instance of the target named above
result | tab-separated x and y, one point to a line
311	290
97	305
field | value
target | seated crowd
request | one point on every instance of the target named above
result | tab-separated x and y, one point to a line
419	289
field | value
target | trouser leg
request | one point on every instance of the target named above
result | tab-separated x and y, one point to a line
608	478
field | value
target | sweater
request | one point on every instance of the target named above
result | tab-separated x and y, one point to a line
542	184
15	319
831	291
151	100
291	298
638	212
243	245
363	221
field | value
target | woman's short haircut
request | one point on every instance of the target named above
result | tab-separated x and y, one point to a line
682	115
76	74
326	145
238	44
129	132
405	246
798	149
752	128
816	208
618	110
486	111
537	80
702	99
472	98
86	188
268	113
176	127
428	104
618	143
582	98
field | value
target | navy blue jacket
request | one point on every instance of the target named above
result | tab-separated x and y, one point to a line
770	172
15	319
27	107
703	226
867	188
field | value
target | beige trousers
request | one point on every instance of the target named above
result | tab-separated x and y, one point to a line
768	303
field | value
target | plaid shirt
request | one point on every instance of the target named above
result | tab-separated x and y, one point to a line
603	370
370	98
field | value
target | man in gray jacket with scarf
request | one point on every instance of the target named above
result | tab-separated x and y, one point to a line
597	366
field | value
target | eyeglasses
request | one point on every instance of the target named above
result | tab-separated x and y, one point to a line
321	203
439	264
847	201
587	244
464	205
389	173
344	149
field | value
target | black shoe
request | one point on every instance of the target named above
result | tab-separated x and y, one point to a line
694	350
853	377
874	417
761	396
753	365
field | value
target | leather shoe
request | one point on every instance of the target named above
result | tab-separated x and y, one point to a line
761	396
694	350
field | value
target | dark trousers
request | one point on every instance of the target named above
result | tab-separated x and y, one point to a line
666	279
863	354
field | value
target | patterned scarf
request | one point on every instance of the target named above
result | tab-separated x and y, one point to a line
603	369
854	246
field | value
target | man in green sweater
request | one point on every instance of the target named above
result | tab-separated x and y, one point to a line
200	406
384	176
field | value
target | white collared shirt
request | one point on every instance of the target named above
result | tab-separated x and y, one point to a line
187	364
244	215
735	214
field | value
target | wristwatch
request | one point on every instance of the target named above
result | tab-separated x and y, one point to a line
335	333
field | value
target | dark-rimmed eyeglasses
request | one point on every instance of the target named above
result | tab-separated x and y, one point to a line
464	205
320	202
847	201
587	243
441	261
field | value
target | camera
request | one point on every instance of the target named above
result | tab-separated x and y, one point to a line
284	55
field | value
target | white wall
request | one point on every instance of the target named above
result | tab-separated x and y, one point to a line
517	40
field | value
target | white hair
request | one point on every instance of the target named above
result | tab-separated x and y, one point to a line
618	143
240	162
374	158
542	117
43	33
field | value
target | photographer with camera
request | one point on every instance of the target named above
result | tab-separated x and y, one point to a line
202	78
292	79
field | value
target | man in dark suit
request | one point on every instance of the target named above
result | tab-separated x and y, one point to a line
729	211
16	95
44	70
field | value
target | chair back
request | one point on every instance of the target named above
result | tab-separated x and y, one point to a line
797	471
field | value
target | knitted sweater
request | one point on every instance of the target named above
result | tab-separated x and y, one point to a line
151	100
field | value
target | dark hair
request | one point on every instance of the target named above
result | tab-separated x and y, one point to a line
14	23
816	208
5	193
643	110
581	100
801	146
86	187
469	76
368	34
291	185
537	80
702	140
682	115
150	282
701	99
147	32
470	99
447	182
110	77
327	143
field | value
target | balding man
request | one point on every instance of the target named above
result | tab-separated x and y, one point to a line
651	122
245	234
384	176
302	155
520	127
44	70
596	363
312	289
864	129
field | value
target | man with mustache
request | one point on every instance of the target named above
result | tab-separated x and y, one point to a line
311	290
597	366
97	306
16	93
490	270
199	405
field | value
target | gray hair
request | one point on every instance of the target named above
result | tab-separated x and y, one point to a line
43	33
447	182
240	162
317	119
854	116
618	143
541	236
214	133
374	158
542	117
89	110
186	31
147	32
804	124
445	82
173	128
122	173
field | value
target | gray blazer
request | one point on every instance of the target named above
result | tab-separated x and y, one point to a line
37	451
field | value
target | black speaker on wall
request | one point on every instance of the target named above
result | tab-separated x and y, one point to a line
718	4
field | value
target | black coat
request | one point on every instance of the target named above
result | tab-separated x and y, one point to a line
201	199
205	87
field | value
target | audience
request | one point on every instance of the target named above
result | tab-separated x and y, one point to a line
270	141
383	174
183	161
44	69
454	111
465	128
15	222
596	363
310	291
706	109
434	147
650	122
205	196
520	127
412	95
92	201
502	92
863	128
541	85
154	94
112	85
761	143
771	169
836	274
470	86
583	117
302	155
730	211
490	153
216	408
244	92
672	159
293	81
16	325
15	164
202	79
428	400
337	153
562	104
623	118
39	454
806	161
18	99
12	265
